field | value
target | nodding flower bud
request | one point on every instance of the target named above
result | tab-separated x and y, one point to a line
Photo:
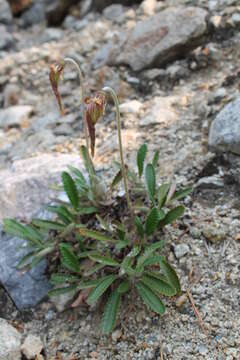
56	74
95	108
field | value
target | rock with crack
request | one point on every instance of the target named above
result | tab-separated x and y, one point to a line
10	342
163	37
224	132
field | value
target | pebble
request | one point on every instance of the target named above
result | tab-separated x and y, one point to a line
181	250
116	335
10	342
15	116
32	346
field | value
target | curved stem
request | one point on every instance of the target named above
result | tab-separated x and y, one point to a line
124	175
81	81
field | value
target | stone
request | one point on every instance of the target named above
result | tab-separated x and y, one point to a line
224	134
132	107
236	19
24	187
181	250
25	289
6	39
34	15
5	13
163	37
210	182
57	10
114	12
32	346
116	335
10	342
148	7
161	112
214	233
51	34
15	116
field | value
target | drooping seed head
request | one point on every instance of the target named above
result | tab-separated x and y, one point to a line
56	74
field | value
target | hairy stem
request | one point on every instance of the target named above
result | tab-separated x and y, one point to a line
81	81
124	175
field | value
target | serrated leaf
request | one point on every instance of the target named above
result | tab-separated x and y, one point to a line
171	275
162	194
182	193
110	312
150	298
70	189
123	287
68	258
64	290
139	226
141	155
150	180
152	221
106	260
48	225
158	285
63	278
97	292
96	235
172	215
155	159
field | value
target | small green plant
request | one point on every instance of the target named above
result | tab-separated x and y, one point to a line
100	245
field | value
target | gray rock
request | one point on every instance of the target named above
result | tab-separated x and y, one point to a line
148	7
224	132
51	34
236	19
114	12
5	13
161	112
6	39
10	342
14	116
181	250
34	15
24	188
163	38
28	289
210	182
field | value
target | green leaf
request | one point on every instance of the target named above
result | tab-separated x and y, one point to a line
150	298
126	266
106	260
87	161
68	258
48	225
172	215
26	258
148	252
152	220
123	287
70	189
150	180
94	269
103	223
81	179
155	159
96	235
63	278
162	194
141	155
27	232
182	193
117	178
89	284
152	260
87	210
139	226
64	290
159	286
110	312
62	212
97	292
171	275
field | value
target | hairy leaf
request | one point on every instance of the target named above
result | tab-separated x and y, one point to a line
63	278
162	194
150	180
150	298
97	292
155	159
123	287
62	212
96	235
110	312
172	215
182	193
26	232
139	226
68	258
106	260
158	285
152	221
87	161
141	155
70	189
148	253
79	176
63	290
48	225
171	275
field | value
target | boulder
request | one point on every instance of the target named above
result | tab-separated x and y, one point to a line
224	134
161	38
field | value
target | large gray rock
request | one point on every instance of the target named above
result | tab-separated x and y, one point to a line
163	37
10	342
15	116
224	132
5	12
24	188
25	289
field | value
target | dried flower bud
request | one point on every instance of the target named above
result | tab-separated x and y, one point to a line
95	108
56	73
